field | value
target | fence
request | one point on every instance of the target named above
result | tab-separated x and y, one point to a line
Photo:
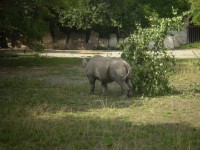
193	34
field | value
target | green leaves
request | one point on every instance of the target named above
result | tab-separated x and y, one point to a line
85	17
195	11
150	61
27	21
31	19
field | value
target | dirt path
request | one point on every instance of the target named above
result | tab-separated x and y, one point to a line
193	53
190	53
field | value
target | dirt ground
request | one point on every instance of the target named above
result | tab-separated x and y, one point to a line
194	53
191	53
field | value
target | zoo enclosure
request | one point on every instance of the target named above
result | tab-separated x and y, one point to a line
193	34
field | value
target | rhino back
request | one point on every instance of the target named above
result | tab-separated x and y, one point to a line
119	69
98	67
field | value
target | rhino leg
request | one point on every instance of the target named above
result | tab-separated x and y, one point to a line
92	84
104	87
128	81
125	89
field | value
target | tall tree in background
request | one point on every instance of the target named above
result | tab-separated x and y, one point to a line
118	16
86	16
125	14
28	19
195	11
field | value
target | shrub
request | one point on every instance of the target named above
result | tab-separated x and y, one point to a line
36	46
151	63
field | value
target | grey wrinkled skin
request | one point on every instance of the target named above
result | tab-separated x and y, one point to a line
109	69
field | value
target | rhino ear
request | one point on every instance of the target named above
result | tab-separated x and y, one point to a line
84	62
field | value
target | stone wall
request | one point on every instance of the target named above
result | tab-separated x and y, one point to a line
77	40
176	39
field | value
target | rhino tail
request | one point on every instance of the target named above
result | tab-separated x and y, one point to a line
128	68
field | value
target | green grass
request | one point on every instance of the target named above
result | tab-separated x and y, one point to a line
44	104
195	45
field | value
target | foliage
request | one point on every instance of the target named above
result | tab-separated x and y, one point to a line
116	15
84	17
27	21
148	57
195	11
132	11
36	46
164	9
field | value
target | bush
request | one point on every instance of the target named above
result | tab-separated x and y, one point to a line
151	63
36	46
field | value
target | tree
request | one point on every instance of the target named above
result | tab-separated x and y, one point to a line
28	20
84	17
118	16
195	11
152	65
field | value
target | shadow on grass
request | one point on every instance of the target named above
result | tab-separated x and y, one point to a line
79	132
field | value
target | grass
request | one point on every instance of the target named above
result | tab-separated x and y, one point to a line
44	104
195	45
